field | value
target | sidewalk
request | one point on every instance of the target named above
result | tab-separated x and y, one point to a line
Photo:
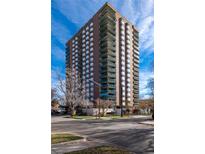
151	122
62	148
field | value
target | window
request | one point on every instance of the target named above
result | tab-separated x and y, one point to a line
128	81
123	63
128	60
123	58
122	47
91	34
91	24
91	44
128	41
123	83
123	73
87	28
91	29
122	32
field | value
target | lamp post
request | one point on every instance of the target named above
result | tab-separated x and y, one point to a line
99	86
121	106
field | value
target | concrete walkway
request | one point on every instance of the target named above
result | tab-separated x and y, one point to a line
148	122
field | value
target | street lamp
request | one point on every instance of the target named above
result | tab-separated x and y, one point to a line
99	85
121	106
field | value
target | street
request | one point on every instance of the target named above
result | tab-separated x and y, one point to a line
132	134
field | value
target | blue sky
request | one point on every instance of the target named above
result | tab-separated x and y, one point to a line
68	16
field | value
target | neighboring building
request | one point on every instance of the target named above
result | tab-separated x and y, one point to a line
106	50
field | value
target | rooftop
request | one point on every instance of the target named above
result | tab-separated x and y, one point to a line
106	4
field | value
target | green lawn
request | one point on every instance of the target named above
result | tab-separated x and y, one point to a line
102	118
119	117
58	138
101	150
84	117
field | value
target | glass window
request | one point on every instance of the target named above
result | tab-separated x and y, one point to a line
91	29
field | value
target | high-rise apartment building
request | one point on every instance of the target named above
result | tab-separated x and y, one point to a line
106	50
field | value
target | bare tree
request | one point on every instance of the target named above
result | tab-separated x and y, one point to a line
53	94
103	106
70	91
150	85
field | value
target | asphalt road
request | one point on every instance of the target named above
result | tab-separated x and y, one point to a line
126	133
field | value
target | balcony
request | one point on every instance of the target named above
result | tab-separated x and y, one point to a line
136	78
107	11
107	27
